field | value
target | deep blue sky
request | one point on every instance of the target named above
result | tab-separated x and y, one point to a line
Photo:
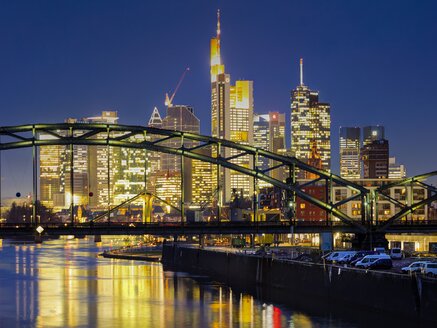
373	61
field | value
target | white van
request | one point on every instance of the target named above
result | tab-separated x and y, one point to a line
345	257
430	269
368	260
396	253
335	256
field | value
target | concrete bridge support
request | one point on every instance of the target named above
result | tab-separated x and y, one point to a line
252	240
38	239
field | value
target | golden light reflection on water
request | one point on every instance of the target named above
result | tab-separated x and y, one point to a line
64	284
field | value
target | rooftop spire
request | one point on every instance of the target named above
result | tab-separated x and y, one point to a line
218	24
301	71
155	119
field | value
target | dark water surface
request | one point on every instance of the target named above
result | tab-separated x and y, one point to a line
63	283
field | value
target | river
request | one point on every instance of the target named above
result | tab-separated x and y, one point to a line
64	283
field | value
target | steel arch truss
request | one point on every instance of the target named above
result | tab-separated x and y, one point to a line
191	146
407	205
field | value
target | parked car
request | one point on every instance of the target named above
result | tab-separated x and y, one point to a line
359	256
381	263
414	267
331	256
396	253
334	257
430	269
367	260
345	257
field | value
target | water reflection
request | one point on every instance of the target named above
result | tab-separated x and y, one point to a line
64	283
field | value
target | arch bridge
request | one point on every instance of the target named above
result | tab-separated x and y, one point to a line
193	146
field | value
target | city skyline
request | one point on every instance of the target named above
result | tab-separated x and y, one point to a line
38	95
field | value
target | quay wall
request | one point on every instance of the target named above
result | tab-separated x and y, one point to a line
412	297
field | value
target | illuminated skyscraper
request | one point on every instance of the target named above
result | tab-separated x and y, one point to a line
58	183
179	118
350	161
375	159
310	122
50	164
372	133
231	119
269	134
375	152
396	170
261	137
153	157
103	166
202	181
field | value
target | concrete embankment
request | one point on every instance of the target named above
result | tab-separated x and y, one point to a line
150	254
411	297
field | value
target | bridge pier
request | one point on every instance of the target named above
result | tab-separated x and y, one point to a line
97	238
38	239
369	240
201	241
252	240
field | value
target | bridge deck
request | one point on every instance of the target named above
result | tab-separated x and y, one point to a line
224	228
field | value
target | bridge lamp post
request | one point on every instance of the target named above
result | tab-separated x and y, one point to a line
38	238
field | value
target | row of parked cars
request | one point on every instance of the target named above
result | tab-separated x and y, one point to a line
378	259
428	268
361	259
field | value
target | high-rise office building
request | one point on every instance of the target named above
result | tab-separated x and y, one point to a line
350	161
202	182
153	157
310	122
396	170
231	119
372	133
179	118
91	180
50	164
269	134
261	137
375	159
103	167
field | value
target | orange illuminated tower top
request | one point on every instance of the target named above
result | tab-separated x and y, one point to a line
314	160
216	62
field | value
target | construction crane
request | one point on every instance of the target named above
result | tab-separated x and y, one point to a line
169	100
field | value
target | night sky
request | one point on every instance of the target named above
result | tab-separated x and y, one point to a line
373	61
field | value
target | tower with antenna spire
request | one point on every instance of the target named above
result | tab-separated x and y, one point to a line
301	71
215	58
231	119
310	124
